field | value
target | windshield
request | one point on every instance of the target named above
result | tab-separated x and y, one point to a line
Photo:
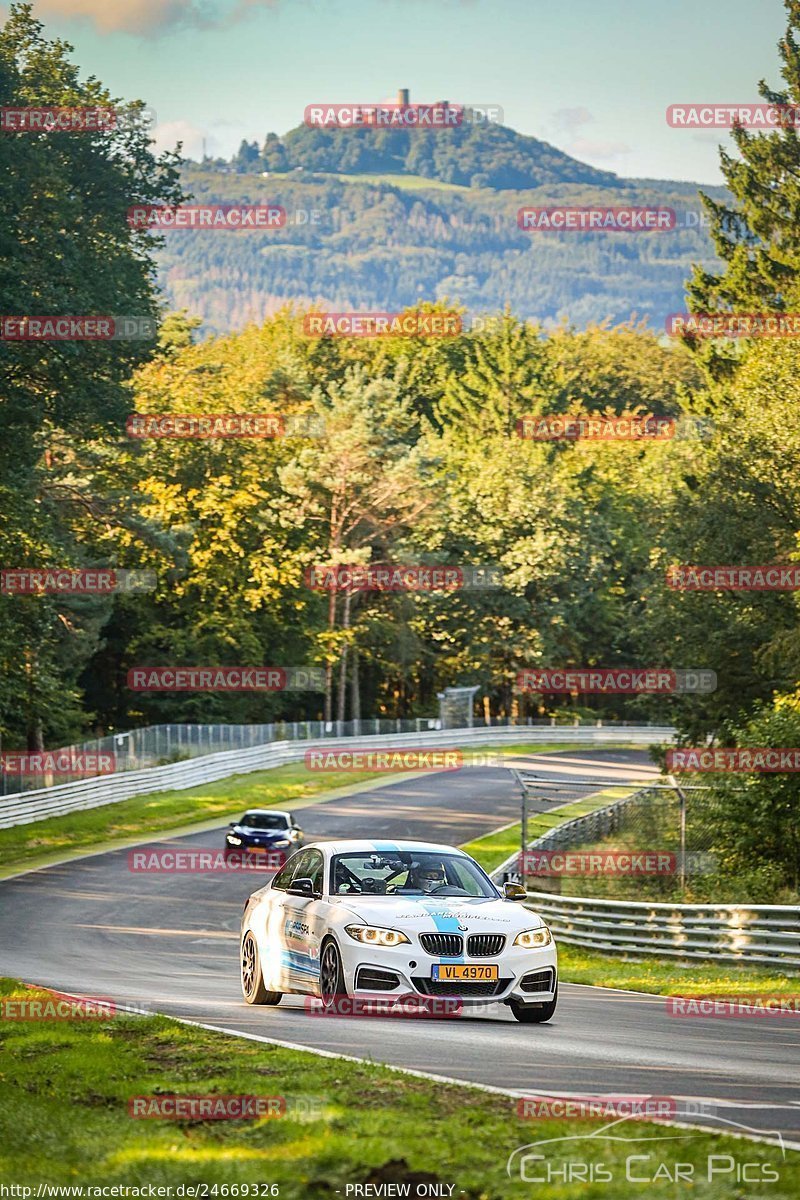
264	821
408	873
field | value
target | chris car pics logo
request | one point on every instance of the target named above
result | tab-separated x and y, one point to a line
620	1152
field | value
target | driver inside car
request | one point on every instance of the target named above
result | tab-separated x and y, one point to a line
426	879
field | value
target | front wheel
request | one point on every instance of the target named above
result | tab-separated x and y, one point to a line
331	976
534	1014
253	988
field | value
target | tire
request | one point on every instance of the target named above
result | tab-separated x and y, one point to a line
534	1014
331	975
253	988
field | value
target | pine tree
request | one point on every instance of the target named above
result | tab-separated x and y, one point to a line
758	235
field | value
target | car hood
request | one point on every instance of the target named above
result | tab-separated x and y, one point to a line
444	915
249	831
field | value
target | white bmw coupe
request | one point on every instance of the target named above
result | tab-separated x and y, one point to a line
358	918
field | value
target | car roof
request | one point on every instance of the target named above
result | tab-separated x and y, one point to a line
379	846
268	812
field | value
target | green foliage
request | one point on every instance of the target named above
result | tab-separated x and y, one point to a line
477	155
756	235
386	242
757	817
65	249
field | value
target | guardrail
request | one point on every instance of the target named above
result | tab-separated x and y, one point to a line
157	745
742	933
26	807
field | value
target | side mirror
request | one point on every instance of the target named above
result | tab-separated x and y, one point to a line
232	824
301	887
514	891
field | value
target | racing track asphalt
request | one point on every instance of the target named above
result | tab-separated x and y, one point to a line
169	942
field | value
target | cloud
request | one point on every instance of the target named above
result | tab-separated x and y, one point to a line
151	16
167	134
584	148
571	118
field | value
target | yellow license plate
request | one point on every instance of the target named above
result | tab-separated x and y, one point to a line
465	972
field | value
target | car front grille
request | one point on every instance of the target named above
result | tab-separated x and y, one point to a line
537	981
449	945
483	945
456	987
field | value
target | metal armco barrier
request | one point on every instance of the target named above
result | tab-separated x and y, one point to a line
25	807
747	933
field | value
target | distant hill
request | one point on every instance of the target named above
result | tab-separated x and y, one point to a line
470	155
382	219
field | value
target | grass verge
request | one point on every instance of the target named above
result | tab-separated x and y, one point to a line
67	1087
666	977
287	787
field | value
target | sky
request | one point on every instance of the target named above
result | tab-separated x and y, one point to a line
593	77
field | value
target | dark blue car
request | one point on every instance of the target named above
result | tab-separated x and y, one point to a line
270	832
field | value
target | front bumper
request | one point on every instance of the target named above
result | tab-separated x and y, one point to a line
525	976
269	858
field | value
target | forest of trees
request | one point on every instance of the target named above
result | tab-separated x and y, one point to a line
420	462
387	243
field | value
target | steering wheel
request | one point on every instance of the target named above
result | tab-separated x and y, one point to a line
370	884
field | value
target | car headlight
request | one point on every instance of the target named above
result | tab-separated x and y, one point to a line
534	937
374	936
283	842
233	840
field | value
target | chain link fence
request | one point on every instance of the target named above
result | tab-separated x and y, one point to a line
658	843
157	745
